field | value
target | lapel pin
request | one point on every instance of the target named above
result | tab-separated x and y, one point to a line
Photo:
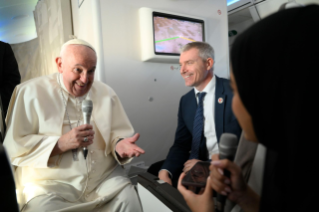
220	100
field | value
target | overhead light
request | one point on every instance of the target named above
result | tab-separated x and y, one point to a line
19	17
230	2
19	35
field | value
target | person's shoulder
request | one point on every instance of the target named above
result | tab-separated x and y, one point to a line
38	81
101	85
3	43
102	88
4	46
222	80
188	96
225	83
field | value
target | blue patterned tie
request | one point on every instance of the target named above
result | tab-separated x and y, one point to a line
198	127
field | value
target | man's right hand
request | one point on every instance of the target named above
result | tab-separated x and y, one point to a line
164	175
74	139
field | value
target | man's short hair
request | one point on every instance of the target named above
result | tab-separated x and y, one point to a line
205	50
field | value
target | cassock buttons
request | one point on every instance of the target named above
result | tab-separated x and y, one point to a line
220	100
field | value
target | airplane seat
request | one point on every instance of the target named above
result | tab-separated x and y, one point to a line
155	167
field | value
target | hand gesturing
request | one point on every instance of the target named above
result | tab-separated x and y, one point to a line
127	147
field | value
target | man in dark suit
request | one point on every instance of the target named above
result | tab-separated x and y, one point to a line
199	127
9	78
8	199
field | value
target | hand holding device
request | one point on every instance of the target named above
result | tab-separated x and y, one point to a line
197	202
195	178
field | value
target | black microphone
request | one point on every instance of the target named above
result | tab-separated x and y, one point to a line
87	107
227	150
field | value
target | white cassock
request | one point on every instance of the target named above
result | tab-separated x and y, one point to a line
37	118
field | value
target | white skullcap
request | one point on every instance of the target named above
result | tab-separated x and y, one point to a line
76	42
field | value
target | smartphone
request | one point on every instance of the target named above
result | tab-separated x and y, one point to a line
195	179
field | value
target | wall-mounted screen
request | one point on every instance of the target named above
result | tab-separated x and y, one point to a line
171	32
163	33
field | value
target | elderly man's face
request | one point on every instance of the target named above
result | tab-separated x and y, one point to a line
77	65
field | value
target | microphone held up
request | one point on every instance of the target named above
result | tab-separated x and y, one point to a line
227	150
87	108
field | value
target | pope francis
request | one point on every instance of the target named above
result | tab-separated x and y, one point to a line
46	135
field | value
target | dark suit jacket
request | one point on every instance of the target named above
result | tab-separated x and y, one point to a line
8	198
225	121
9	75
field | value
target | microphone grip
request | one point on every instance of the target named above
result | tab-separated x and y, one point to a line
221	199
86	120
227	150
85	152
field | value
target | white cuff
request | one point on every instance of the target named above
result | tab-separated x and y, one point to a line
170	174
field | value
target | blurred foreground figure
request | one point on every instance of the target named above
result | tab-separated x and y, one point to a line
9	78
274	65
46	136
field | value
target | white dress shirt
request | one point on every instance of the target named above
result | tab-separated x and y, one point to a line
209	124
209	116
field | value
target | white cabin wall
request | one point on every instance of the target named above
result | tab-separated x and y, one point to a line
149	92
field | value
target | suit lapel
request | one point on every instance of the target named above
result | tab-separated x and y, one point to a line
220	99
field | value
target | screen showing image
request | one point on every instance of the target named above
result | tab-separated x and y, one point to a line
172	32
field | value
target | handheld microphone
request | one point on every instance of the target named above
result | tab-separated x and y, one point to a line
227	150
87	107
